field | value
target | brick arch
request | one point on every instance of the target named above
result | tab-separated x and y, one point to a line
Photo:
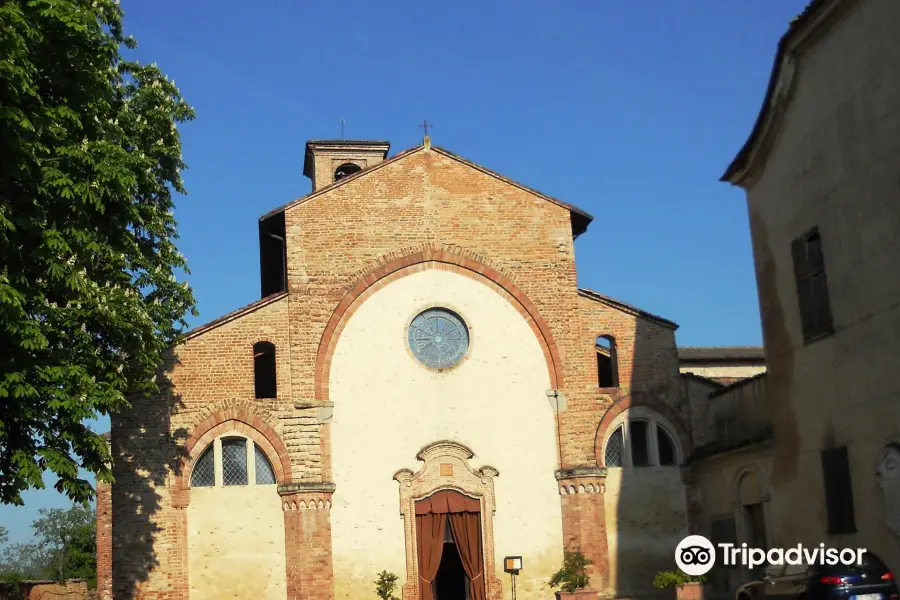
432	258
647	401
232	421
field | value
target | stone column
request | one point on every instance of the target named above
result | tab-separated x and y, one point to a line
581	491
307	538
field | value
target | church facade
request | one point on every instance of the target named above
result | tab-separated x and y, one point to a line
423	389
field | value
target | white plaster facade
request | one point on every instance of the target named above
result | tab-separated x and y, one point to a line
388	406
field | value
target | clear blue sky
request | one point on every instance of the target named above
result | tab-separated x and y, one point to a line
630	110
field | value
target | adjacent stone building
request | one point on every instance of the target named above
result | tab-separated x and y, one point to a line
422	388
808	452
722	364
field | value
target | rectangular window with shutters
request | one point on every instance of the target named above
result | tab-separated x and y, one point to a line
812	286
838	491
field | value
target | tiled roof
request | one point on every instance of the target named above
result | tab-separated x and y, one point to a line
234	315
702	379
738	384
618	304
721	353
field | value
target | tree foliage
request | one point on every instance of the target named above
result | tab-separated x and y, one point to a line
90	159
65	547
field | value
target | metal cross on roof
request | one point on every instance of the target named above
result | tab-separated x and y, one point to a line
425	125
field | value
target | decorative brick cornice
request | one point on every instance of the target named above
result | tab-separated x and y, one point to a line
453	259
306	497
580	473
288	489
581	480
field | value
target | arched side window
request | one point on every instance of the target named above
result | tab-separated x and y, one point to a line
204	473
264	371
345	170
265	474
641	441
232	461
607	363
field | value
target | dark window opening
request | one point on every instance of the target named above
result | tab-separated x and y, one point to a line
272	255
264	370
665	446
640	454
838	491
346	170
607	367
812	286
755	521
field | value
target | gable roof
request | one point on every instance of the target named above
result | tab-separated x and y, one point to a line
627	308
580	218
235	314
776	99
721	353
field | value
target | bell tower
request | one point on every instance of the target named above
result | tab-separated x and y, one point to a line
328	161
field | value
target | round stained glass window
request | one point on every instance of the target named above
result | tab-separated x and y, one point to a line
438	338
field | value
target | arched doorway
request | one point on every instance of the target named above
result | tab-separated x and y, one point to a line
450	547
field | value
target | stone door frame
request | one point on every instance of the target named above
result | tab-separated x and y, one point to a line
446	467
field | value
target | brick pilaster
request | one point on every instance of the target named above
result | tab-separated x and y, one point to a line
104	541
581	491
307	537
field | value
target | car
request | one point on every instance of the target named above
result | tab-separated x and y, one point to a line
870	580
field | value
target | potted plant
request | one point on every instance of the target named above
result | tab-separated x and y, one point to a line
385	585
687	587
572	578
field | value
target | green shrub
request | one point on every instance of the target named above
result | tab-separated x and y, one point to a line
572	576
385	585
670	579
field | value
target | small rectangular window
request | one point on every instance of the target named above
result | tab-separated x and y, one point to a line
607	367
640	456
812	286
838	491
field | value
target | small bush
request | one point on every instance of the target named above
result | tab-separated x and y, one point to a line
670	579
385	585
573	574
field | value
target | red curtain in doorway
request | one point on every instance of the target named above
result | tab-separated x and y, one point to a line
464	515
430	541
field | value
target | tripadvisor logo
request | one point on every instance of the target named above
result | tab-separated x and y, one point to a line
695	555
